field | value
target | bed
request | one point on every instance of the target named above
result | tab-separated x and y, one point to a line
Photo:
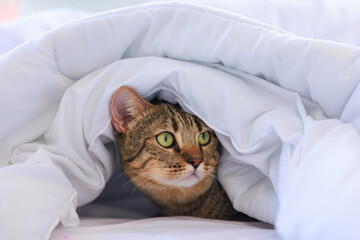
284	106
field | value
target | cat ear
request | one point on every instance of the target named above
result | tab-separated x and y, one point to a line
126	105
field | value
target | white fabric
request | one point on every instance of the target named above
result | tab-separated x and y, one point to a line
268	95
333	20
16	32
164	228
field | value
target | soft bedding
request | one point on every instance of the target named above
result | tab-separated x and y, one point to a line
164	228
284	108
333	20
16	32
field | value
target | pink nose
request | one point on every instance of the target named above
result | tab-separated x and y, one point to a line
195	162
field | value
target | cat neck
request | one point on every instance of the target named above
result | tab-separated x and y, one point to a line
212	202
197	201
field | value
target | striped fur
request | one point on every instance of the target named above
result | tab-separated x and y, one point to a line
165	174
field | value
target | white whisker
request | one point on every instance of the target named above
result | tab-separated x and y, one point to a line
139	176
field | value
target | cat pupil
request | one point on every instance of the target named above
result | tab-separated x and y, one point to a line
165	138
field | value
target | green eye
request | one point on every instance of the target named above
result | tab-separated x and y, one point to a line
204	138
165	139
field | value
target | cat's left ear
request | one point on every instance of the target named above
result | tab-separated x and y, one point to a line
126	106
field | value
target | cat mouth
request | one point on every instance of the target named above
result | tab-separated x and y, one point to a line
185	180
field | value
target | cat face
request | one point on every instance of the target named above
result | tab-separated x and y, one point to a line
161	145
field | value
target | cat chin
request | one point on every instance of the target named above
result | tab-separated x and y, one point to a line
184	182
188	181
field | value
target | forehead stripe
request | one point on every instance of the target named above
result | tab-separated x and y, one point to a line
184	118
198	123
173	121
189	118
174	124
180	118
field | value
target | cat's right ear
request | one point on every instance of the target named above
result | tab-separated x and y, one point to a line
126	106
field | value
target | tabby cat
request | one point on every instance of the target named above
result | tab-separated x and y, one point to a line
171	156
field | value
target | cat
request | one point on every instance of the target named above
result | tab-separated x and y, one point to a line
171	156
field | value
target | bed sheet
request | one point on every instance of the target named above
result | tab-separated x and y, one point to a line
164	228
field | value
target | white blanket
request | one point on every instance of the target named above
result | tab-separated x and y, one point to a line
278	103
176	228
16	32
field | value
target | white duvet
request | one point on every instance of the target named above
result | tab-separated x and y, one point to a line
285	108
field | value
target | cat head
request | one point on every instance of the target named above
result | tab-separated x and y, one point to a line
161	146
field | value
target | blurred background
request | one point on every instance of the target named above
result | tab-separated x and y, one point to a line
30	6
12	9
